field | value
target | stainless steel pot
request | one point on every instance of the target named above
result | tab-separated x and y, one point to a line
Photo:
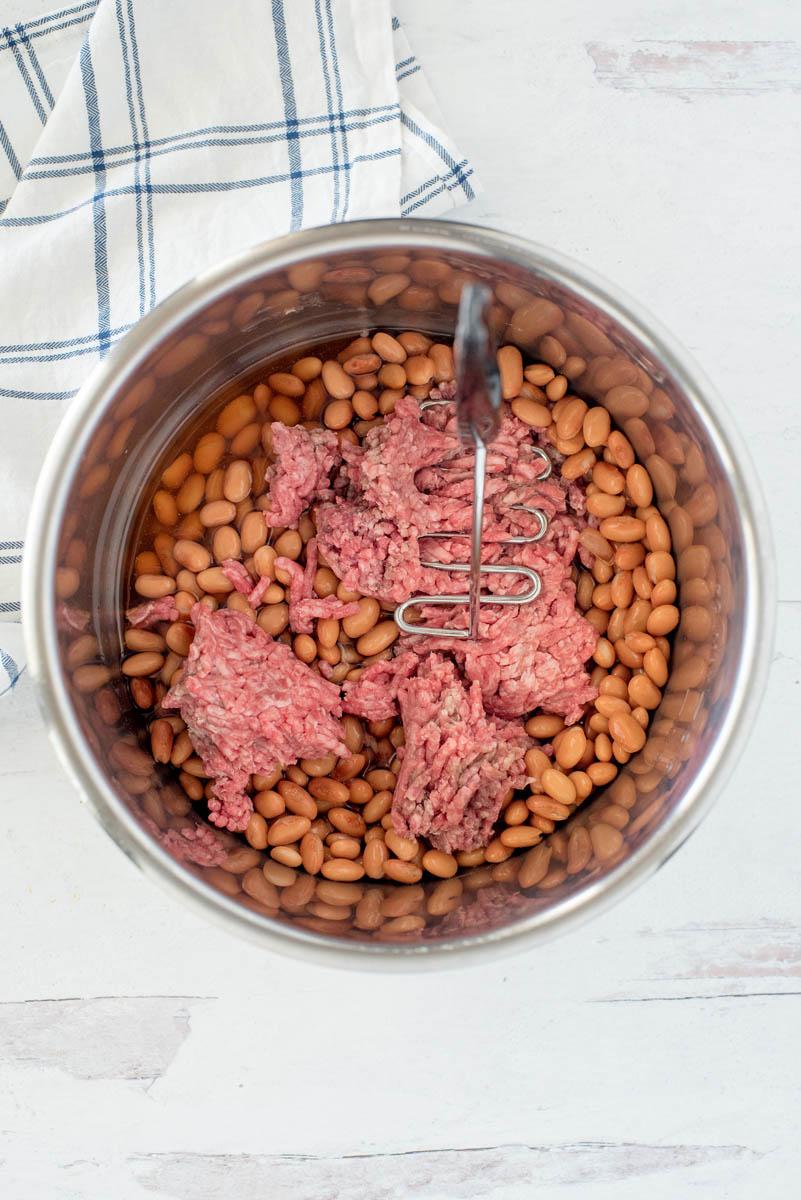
323	286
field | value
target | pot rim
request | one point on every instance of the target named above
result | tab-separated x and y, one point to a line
38	596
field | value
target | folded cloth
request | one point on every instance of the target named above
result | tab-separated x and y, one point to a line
142	142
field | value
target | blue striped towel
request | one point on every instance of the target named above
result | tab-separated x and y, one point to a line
141	142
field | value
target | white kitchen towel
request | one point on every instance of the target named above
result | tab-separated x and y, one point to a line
142	141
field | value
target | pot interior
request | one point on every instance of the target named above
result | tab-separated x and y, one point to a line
218	350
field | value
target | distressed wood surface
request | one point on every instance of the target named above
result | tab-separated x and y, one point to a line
147	1056
686	68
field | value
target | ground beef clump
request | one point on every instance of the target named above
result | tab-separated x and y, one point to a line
374	695
146	615
301	472
369	553
407	480
457	762
528	656
195	844
369	535
250	705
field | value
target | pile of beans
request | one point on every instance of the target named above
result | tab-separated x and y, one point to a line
321	826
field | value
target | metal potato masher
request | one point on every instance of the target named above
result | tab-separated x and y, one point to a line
478	413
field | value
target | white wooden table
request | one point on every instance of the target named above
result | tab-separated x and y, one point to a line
146	1054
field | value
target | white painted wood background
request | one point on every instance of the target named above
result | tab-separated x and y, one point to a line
147	1056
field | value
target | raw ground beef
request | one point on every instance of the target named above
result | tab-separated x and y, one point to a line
195	844
374	695
239	576
457	763
304	606
320	608
369	534
250	704
382	470
144	616
368	552
527	657
407	479
304	462
301	579
188	843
